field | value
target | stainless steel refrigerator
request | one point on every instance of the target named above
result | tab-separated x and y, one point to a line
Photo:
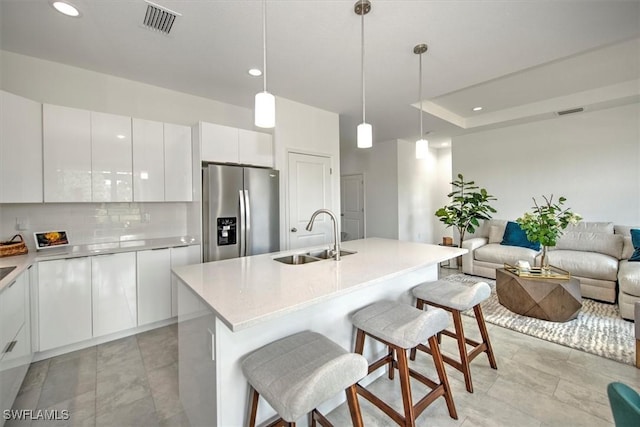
240	211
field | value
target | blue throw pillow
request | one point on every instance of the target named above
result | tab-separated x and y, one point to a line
515	236
635	239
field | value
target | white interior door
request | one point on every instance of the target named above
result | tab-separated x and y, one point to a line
352	204
309	179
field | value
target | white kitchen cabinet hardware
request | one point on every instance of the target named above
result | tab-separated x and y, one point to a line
178	185
111	167
154	285
148	161
64	295
224	144
20	149
113	282
66	154
182	255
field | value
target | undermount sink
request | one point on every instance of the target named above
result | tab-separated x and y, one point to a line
296	259
4	271
327	253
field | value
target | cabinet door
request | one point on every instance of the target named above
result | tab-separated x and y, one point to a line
13	310
113	282
148	161
255	148
20	149
111	158
177	163
154	285
185	255
218	143
64	302
66	154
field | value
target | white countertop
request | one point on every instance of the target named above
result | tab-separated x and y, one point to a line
22	262
246	291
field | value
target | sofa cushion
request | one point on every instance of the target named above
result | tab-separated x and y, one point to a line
515	236
635	239
500	254
627	248
496	232
595	227
608	244
629	278
585	264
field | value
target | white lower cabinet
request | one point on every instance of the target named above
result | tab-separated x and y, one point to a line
64	296
15	336
113	283
154	285
180	256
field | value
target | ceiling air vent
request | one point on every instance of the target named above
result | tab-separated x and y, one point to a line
571	111
159	18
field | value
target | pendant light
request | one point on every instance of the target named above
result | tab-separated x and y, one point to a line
265	107
365	131
422	145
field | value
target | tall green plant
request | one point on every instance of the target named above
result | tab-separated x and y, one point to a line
468	206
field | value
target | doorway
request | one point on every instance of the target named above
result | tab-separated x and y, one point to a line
352	203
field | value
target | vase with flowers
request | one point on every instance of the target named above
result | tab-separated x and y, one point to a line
546	223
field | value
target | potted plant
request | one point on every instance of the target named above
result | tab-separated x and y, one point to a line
468	206
546	222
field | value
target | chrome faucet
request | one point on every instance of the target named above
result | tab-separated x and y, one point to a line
336	240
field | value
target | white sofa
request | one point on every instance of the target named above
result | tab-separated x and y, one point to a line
596	253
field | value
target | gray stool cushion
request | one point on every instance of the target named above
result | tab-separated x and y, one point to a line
400	324
297	373
453	295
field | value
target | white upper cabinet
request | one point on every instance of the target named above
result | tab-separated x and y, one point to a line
20	149
148	161
111	165
224	144
178	180
255	148
67	154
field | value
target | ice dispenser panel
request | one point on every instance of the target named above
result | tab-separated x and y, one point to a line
227	231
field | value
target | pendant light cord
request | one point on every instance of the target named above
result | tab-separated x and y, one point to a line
420	89
362	59
264	44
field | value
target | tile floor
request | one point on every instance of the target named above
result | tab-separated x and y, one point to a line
134	382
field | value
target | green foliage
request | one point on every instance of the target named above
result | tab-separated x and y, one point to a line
546	222
468	206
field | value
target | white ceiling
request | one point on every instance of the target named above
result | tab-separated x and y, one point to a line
520	60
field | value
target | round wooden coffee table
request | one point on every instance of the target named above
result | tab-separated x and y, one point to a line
556	300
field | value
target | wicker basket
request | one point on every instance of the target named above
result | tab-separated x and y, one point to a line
15	246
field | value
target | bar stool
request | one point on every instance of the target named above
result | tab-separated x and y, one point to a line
402	327
297	373
456	298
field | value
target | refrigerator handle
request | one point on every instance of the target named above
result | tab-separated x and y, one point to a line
247	219
242	224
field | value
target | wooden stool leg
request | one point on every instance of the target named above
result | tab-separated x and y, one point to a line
442	375
462	347
390	368
405	386
359	348
354	407
485	335
253	410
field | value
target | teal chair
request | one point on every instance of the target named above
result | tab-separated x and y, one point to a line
625	405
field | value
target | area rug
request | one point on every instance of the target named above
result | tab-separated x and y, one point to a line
598	329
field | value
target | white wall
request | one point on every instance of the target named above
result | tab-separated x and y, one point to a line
401	193
591	158
304	129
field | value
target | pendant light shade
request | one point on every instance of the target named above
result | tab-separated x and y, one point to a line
265	111
265	106
365	135
422	145
365	131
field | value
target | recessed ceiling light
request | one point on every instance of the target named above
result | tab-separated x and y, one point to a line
66	8
254	72
477	108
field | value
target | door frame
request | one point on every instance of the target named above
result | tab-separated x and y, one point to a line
284	237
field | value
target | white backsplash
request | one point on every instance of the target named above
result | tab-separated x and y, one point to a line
88	223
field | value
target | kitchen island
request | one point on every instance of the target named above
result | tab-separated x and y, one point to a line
228	308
